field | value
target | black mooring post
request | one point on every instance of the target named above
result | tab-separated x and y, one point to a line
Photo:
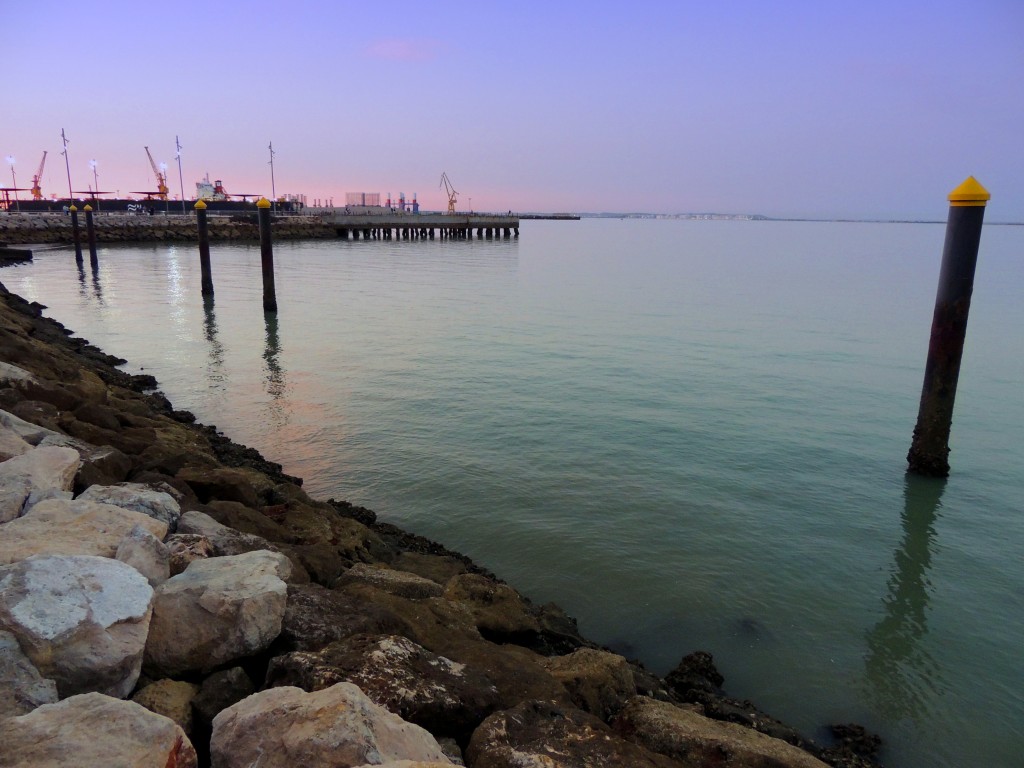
267	256
90	232
929	450
76	233
204	248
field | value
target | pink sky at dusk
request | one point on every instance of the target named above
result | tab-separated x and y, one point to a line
873	109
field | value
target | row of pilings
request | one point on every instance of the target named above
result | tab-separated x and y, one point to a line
427	233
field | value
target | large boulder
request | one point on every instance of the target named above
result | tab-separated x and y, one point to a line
72	527
337	727
93	731
500	613
22	688
546	735
598	682
81	620
102	465
35	475
443	696
398	583
139	498
688	736
217	610
33	434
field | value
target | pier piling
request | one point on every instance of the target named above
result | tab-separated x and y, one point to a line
76	233
929	450
267	256
204	248
90	232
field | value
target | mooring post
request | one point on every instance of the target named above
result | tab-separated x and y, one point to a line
204	248
76	233
90	232
929	450
267	256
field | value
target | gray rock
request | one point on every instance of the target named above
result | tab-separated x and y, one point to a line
81	620
216	611
337	727
147	554
31	433
12	373
138	498
22	688
93	731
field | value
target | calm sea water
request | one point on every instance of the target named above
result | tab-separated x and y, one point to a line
691	435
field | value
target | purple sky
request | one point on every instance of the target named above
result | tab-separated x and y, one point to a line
820	109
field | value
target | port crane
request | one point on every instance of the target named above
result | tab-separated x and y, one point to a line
37	180
161	180
446	185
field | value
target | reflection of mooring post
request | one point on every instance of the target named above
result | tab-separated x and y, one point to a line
929	450
267	256
76	233
204	248
90	232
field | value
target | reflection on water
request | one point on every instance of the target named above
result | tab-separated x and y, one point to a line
215	370
902	677
274	376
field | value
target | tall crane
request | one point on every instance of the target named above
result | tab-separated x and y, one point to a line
446	184
37	180
161	177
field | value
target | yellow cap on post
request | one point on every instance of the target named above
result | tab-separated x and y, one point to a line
970	193
72	208
87	207
263	203
200	205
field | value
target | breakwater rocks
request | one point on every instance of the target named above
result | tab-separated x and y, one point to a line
31	228
170	598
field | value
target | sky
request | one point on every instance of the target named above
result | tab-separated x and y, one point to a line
818	109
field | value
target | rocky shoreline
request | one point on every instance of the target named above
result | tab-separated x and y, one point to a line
171	598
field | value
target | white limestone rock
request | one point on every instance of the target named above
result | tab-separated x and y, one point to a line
147	554
94	731
336	727
28	478
217	610
81	620
31	433
138	498
72	527
10	372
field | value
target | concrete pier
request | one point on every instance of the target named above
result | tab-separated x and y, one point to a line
388	225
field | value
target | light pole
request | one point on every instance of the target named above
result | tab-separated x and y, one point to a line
14	183
273	191
67	166
96	183
181	180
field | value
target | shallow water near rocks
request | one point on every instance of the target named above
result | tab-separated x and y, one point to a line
689	434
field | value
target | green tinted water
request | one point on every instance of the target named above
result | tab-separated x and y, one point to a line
688	434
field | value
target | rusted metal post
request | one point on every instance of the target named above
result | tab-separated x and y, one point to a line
76	232
204	248
929	450
90	231
267	256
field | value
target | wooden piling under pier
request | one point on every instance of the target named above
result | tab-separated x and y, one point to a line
421	226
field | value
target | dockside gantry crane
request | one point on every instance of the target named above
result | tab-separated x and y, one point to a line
446	185
37	180
161	178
